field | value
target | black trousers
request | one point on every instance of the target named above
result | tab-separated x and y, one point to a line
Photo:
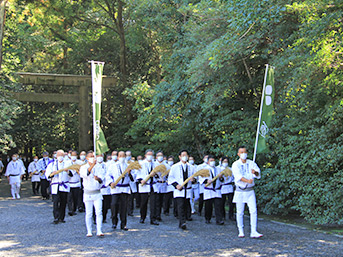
217	202
74	199
159	205
183	209
130	205
175	207
106	205
35	187
44	183
154	206
167	200
144	198
228	198
60	203
119	206
201	202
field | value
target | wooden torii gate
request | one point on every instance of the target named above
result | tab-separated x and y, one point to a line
84	84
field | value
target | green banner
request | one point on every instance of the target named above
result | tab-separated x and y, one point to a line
100	144
266	111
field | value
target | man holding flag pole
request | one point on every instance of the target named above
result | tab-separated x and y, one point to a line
244	170
93	177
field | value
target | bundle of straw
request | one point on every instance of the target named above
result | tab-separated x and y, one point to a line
75	167
201	173
165	173
132	166
226	172
160	168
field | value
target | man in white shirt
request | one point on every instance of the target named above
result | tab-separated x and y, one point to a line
93	176
34	173
15	172
244	172
119	192
148	187
178	174
42	166
75	186
59	185
227	189
201	187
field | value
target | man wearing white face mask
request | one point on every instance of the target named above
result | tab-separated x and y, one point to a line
59	185
34	174
244	172
201	186
119	192
128	156
147	187
227	189
42	166
93	176
178	174
212	193
195	187
168	195
15	173
161	183
75	186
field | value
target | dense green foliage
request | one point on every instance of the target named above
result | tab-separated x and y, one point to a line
191	75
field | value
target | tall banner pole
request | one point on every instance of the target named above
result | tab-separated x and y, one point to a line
259	117
100	144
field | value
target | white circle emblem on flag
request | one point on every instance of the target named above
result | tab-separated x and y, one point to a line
269	90
268	100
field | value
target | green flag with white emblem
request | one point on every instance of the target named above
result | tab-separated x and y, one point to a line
100	144
266	112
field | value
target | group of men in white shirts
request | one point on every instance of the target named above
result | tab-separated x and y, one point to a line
101	193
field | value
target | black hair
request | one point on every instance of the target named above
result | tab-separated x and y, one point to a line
149	150
159	151
211	156
89	152
184	150
225	158
171	156
242	146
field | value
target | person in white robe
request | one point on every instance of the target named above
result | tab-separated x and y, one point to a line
15	172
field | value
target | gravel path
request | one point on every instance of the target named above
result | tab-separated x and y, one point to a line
26	230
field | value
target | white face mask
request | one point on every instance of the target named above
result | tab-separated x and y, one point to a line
225	164
121	159
82	157
206	160
69	155
14	158
60	158
160	158
114	157
99	159
149	157
243	156
191	162
213	163
55	155
170	163
73	158
91	160
128	158
35	160
184	158
66	157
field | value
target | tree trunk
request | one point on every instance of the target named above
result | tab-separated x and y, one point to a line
2	24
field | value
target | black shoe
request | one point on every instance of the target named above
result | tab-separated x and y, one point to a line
70	213
141	221
184	226
154	223
208	222
220	223
56	221
125	228
81	210
189	219
114	226
61	221
159	219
